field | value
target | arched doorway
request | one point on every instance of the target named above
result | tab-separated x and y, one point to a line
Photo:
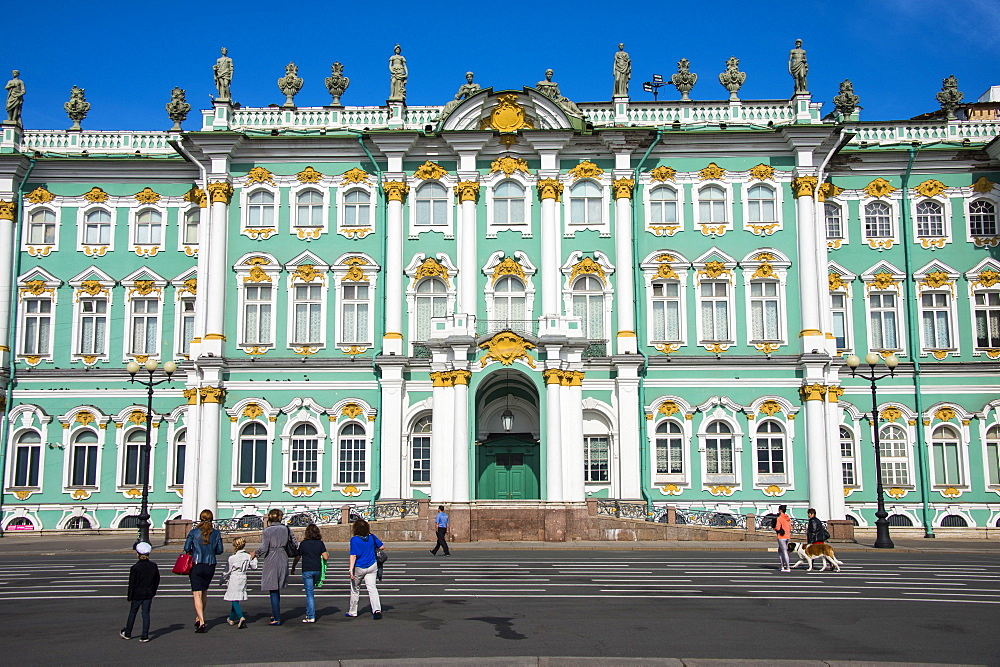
508	455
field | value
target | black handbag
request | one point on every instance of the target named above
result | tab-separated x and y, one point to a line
290	547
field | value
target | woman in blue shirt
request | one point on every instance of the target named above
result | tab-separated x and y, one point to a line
363	566
204	543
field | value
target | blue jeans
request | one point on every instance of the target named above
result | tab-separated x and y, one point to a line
309	580
136	605
276	605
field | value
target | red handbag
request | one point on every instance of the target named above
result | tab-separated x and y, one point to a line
183	564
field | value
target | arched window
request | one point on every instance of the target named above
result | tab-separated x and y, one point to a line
27	454
508	204
669	448
662	206
42	227
770	449
352	455
420	451
20	523
588	305
930	219
304	468
309	209
190	232
432	301
130	521
892	449
954	521
356	208
719	449
509	302
946	445
84	459
431	204
253	455
900	521
133	463
78	523
260	209
149	227
712	205
993	455
666	310
878	220
760	204
834	221
982	218
180	457
585	203
847	456
97	228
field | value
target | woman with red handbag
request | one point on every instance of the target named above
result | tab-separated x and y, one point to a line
203	543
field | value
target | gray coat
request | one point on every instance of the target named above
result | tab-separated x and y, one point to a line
274	574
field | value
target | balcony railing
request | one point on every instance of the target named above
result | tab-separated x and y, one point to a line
520	327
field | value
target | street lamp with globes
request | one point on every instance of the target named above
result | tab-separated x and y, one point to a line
133	367
882	539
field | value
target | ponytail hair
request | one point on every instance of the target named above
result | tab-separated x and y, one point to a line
206	517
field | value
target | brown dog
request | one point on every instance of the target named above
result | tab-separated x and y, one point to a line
809	552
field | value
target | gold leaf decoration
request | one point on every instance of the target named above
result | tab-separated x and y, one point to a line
765	270
622	188
307	273
36	288
829	190
96	195
987	278
549	188
39	196
252	411
666	272
883	280
944	414
147	196
190	286
91	288
430	170
354	350
430	267
983	185
712	172
662	174
936	279
196	196
508	267
761	172
879	188
588	266
508	165
713	270
257	274
585	169
770	408
836	281
467	191
891	414
259	175
930	188
137	417
6	210
309	175
395	190
670	490
221	192
144	288
351	410
507	347
354	175
668	408
507	117
84	418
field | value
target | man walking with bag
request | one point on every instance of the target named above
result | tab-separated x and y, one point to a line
441	521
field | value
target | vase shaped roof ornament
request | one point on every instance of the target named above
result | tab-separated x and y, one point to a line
177	108
732	79
223	70
622	71
15	98
290	85
950	97
550	89
465	91
684	79
398	74
336	83
798	67
77	107
846	102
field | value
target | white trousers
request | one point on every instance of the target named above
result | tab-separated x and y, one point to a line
368	575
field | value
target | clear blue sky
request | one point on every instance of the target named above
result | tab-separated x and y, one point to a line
128	55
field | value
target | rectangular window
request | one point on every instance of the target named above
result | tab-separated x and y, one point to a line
253	461
432	211
134	464
26	458
834	223
257	315
186	325
936	317
305	461
987	319
947	468
669	455
84	471
190	233
145	314
421	459
847	457
839	311
355	320
352	460
666	311
993	458
719	456
715	310
93	326
764	310
37	326
895	466
180	458
308	313
595	466
882	316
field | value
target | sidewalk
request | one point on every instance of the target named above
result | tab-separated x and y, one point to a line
574	661
20	544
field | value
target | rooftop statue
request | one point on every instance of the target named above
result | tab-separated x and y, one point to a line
733	79
846	102
15	98
798	67
290	85
465	91
684	79
77	107
550	89
623	72
223	69
950	96
398	75
337	83
177	108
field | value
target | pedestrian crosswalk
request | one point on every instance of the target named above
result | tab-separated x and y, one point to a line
557	574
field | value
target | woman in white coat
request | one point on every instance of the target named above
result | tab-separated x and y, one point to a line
236	580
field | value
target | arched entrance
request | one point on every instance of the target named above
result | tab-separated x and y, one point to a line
508	455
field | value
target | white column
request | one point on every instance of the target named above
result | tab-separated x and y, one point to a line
625	299
204	275
393	473
395	192
466	237
835	487
460	439
629	464
442	436
816	448
192	457
208	469
219	192
8	204
553	436
571	407
809	306
549	190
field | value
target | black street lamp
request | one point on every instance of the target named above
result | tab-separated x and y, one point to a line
133	368
882	539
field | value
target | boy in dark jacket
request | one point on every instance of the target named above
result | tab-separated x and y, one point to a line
143	580
815	532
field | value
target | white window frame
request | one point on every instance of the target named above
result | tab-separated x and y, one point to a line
880	242
309	231
844	219
681	478
569	288
847	318
774	225
294	282
288	435
356	231
766	479
40	249
711	479
365	437
50	293
908	448
69	443
603	224
711	227
202	215
986	427
247	277
662	228
95	249
175	441
182	296
852	460
977	289
944	204
491	182
961	450
259	231
948	291
81	298
123	446
450	292
448	226
896	290
656	271
341	270
237	437
131	296
979	239
489	288
778	276
15	445
413	433
147	249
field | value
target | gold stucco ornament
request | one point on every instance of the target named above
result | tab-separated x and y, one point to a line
507	347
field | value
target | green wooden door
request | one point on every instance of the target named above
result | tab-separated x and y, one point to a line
508	470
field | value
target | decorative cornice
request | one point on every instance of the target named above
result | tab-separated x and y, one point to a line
430	170
712	172
879	188
508	165
662	174
585	169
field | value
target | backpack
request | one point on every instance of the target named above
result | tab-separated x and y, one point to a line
290	549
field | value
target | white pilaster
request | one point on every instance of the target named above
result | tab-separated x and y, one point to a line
466	237
460	440
208	468
629	463
7	251
571	407
442	436
192	453
391	432
395	190
626	339
835	486
213	342
553	438
551	276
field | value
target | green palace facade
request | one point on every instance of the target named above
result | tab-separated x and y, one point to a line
512	298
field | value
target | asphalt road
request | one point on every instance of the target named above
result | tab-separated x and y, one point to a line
881	607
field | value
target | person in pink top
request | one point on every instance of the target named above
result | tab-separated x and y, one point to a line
783	529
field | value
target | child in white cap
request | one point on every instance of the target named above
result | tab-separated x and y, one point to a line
143	580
